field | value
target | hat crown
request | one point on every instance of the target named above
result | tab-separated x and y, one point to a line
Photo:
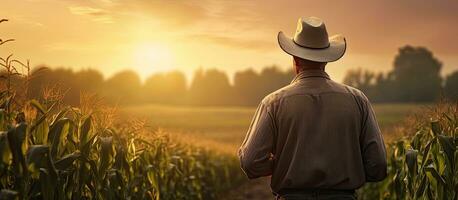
311	33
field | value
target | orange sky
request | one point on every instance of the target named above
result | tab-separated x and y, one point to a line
159	35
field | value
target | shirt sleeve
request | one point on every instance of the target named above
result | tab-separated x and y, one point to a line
256	151
372	145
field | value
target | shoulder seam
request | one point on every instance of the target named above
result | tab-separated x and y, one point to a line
355	98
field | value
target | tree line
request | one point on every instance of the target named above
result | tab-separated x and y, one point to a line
415	77
208	87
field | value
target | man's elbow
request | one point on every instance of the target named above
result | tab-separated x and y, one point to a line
377	171
249	168
253	169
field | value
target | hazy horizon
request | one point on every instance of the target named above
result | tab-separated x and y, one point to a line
154	36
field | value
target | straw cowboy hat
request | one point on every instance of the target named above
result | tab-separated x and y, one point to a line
311	42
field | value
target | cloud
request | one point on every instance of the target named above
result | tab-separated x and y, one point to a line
96	14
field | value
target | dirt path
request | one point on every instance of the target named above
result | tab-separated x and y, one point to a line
257	189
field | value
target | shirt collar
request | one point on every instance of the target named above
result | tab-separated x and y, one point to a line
310	73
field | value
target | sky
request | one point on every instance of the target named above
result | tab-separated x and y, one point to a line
150	36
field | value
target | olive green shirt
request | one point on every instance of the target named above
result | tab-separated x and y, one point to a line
314	133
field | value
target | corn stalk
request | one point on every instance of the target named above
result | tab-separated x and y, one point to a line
423	166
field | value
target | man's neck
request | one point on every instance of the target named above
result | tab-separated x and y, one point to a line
304	69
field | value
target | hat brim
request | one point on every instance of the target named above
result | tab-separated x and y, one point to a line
336	49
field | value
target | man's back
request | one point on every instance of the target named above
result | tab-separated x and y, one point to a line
314	133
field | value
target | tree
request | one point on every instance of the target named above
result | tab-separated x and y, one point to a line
165	88
251	87
451	86
362	79
415	76
123	87
210	87
90	80
273	79
247	87
55	82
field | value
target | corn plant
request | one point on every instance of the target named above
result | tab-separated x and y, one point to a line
422	166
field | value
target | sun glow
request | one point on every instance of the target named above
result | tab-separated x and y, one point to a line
151	58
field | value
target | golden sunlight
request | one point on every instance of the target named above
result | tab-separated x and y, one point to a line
150	58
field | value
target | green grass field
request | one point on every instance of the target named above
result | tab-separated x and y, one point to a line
226	126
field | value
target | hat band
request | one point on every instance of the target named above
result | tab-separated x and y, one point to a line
329	44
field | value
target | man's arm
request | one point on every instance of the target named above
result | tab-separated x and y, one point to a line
256	151
372	145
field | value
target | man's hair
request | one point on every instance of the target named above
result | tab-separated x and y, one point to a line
308	64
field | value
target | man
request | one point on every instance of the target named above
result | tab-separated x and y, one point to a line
316	138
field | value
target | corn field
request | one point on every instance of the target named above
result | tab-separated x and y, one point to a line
52	151
48	152
424	164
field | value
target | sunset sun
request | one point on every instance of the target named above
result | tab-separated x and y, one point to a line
150	58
